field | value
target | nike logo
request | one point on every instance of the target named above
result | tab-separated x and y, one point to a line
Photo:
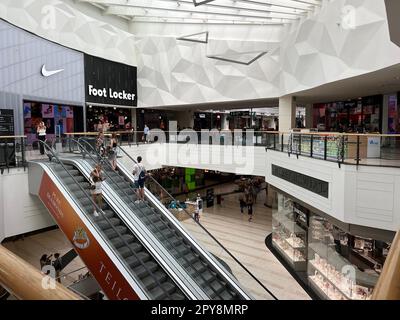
46	73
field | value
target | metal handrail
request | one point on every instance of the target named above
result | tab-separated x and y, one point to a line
205	230
138	208
102	214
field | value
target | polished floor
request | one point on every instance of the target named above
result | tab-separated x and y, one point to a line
244	239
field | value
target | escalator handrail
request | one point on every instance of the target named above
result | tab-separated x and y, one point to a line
205	230
144	215
103	215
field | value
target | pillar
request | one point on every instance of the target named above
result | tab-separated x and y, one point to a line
309	116
287	113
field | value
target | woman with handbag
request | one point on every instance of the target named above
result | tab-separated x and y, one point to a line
41	134
96	188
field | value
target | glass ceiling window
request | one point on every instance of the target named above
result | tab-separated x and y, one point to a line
209	11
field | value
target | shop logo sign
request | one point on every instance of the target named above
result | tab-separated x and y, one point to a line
81	239
46	73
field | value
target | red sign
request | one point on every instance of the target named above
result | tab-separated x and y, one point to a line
110	279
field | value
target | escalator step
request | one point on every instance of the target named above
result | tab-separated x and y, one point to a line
137	260
108	214
226	295
199	266
105	224
118	242
182	249
218	286
111	233
127	251
208	275
163	292
150	282
177	296
141	271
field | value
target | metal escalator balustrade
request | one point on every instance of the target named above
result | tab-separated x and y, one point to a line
156	283
208	241
215	286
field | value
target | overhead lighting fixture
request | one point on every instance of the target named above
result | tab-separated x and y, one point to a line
221	58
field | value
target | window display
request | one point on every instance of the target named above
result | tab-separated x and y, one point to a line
289	233
329	267
330	262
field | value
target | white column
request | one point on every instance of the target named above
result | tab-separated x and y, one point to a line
287	113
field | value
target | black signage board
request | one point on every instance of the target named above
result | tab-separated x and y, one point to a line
210	197
7	122
111	83
317	186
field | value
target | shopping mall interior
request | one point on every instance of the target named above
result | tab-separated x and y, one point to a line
199	150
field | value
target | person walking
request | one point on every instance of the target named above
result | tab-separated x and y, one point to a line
139	174
250	202
146	131
199	208
242	203
112	151
100	144
57	265
96	189
41	132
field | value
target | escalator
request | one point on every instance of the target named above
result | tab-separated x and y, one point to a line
122	264
207	272
199	267
142	265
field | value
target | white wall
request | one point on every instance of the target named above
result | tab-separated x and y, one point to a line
19	211
64	22
367	196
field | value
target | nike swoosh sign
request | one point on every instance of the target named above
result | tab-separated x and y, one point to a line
46	73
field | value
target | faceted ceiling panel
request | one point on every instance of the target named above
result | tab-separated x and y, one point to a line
393	10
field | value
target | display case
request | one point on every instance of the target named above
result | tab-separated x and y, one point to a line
289	235
334	271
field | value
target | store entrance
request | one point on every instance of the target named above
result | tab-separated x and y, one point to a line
58	118
108	118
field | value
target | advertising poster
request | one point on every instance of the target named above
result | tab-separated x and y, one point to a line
27	110
110	279
69	112
47	111
121	120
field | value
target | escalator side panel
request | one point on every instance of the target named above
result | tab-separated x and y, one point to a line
108	275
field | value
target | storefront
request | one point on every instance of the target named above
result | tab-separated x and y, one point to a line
330	259
361	115
40	81
111	95
58	118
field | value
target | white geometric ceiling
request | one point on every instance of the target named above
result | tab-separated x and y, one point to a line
227	12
